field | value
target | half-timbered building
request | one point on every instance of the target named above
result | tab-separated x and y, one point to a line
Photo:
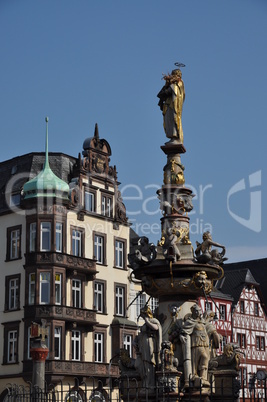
221	306
249	325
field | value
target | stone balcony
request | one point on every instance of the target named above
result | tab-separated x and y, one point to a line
70	262
58	369
85	317
79	368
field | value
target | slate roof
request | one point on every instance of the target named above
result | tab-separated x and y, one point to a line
258	271
218	294
235	280
17	171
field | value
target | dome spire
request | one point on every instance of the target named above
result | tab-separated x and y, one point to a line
46	144
46	183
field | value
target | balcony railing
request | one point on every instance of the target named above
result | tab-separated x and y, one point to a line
69	262
66	313
63	367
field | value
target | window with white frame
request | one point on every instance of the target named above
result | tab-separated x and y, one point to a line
128	344
256	309
77	293
58	288
11	342
99	347
32	245
241	340
59	237
106	205
32	288
260	343
13	293
12	345
99	248
13	249
29	343
99	297
15	244
208	306
57	340
120	300
222	311
140	303
45	236
89	201
242	306
119	254
154	303
77	242
76	345
44	288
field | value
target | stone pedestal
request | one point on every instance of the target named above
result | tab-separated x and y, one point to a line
225	386
168	385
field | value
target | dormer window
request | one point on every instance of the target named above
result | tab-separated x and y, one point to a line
14	200
106	205
89	201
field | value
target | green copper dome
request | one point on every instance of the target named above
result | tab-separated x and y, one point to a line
46	183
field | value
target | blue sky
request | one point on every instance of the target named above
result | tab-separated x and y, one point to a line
82	62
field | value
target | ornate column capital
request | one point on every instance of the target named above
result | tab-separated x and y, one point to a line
39	354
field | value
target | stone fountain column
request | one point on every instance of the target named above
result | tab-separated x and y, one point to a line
172	272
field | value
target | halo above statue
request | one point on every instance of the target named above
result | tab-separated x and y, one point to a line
177	64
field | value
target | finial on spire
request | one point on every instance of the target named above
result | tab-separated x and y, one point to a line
96	135
46	143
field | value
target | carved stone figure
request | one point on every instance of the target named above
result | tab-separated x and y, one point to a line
204	253
171	99
194	336
201	281
169	242
176	204
126	363
148	344
229	359
169	362
142	252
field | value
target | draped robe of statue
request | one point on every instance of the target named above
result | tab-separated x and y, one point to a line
172	97
149	345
